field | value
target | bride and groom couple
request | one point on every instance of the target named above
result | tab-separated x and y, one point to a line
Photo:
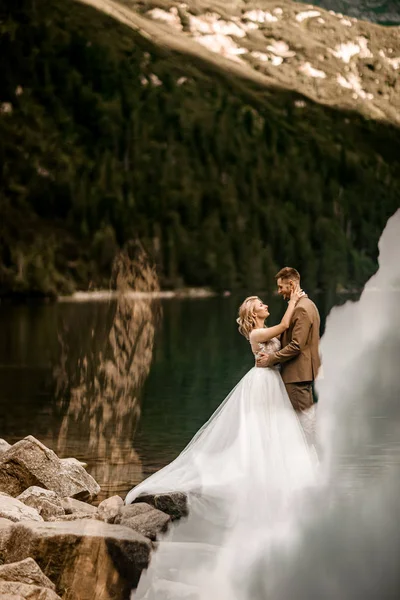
245	471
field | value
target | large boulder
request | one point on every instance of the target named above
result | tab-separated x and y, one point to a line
109	508
4	446
14	510
72	506
14	590
29	463
25	571
46	502
173	503
149	523
86	559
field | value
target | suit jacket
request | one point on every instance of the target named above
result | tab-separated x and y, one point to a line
299	355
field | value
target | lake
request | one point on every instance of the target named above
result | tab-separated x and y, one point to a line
125	401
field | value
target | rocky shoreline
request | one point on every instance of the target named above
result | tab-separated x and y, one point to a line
55	543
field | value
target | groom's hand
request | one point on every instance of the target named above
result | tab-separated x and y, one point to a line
262	360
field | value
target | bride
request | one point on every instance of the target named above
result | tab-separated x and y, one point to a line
243	474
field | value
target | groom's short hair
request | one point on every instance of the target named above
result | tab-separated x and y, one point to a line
288	273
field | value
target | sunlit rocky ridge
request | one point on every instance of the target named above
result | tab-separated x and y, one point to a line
326	56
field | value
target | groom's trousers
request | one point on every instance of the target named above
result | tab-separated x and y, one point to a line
300	394
301	397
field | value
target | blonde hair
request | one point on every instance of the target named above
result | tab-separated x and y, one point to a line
246	319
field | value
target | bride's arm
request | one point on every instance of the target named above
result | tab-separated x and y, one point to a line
266	334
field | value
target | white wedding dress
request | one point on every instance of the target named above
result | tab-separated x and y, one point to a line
245	474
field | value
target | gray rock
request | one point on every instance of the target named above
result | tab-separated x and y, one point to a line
25	571
132	510
109	508
14	510
149	523
29	463
86	559
73	517
14	590
4	446
71	506
173	503
46	502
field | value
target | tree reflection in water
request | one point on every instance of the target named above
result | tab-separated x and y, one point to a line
100	391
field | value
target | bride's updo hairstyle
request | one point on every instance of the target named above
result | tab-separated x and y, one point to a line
246	319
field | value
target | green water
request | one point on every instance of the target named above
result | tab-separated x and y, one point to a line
50	356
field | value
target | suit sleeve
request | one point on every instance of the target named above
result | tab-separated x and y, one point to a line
301	329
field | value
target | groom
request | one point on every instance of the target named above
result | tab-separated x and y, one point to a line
299	355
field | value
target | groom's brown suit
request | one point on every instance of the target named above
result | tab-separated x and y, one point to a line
299	355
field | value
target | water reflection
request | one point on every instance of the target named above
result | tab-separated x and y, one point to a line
102	396
83	378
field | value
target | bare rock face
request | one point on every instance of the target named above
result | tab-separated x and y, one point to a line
73	517
14	590
173	503
323	55
149	523
46	502
4	446
25	571
86	559
29	463
14	510
109	508
132	510
71	506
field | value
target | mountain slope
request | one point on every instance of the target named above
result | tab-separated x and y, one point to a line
327	56
220	168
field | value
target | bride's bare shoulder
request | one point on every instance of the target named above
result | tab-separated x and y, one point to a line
257	334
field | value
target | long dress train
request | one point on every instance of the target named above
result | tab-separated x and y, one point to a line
245	473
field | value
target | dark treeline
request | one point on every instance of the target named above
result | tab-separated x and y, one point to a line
105	138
